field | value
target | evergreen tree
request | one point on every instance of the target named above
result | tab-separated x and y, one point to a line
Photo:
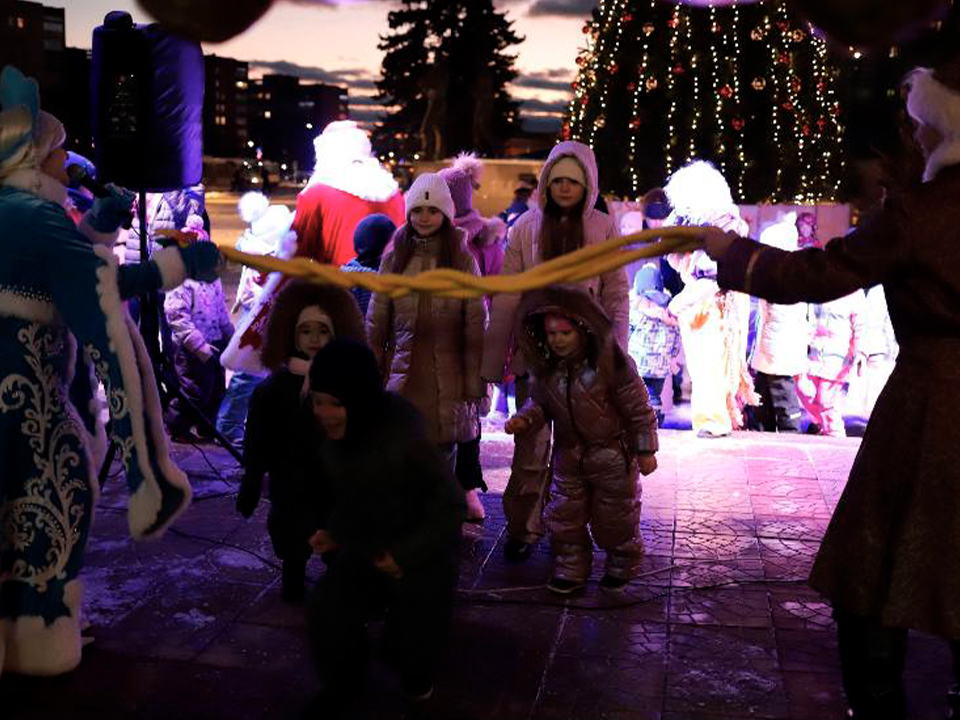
747	87
457	49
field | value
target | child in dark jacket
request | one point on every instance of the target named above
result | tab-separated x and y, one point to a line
393	516
279	426
604	428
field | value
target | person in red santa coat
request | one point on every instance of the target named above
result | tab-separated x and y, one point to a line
347	185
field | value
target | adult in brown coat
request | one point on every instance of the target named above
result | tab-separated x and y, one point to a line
890	559
605	434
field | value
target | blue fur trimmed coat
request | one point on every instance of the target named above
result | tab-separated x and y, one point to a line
61	307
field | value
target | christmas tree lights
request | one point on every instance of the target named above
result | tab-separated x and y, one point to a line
746	86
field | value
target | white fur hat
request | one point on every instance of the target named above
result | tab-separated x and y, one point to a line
342	142
430	190
698	194
937	104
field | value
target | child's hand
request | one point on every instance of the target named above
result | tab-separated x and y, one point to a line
387	565
322	542
516	425
647	463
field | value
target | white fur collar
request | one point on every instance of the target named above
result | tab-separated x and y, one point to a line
38	183
364	178
947	153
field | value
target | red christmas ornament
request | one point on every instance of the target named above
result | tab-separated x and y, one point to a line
635	123
631	87
586	29
787	105
783	58
725	92
673	21
614	68
782	25
627	17
805	130
737	124
835	110
821	123
678	69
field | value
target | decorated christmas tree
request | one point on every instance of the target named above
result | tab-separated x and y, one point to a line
748	87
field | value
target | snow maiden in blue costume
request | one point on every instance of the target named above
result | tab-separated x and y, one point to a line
61	294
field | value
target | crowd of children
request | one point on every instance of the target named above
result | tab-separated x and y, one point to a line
336	374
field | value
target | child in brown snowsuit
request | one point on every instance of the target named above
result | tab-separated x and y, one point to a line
605	434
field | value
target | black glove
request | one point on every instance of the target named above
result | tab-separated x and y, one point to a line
248	498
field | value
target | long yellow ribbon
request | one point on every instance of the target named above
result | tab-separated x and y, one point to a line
573	267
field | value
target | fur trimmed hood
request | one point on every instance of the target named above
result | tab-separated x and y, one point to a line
569	302
335	301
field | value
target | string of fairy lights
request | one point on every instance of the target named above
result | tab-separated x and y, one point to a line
639	53
650	83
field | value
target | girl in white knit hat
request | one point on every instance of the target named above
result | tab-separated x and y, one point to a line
429	347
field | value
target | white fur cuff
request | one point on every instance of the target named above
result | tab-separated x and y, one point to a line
172	270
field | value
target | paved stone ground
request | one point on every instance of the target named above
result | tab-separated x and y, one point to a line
719	626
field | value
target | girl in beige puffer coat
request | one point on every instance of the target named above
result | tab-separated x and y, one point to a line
428	347
605	434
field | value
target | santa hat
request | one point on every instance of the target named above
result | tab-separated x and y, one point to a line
342	142
461	178
933	98
430	190
27	133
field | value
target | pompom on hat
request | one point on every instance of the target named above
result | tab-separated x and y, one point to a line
462	178
430	190
27	133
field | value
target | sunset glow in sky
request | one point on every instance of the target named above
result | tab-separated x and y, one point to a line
336	42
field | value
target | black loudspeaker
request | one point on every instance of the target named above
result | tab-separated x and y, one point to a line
147	103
